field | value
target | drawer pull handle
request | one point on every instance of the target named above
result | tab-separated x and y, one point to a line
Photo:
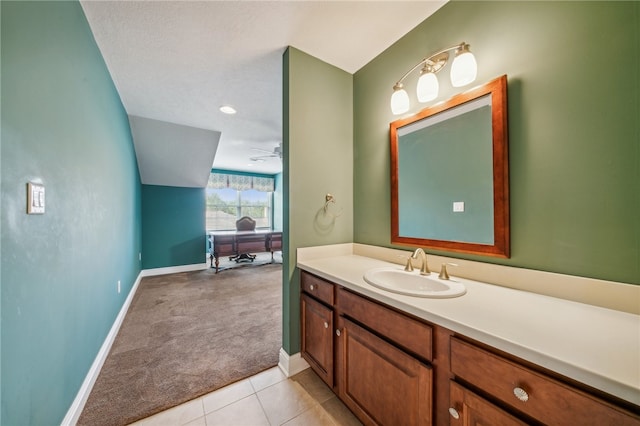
337	332
521	394
311	287
454	413
326	324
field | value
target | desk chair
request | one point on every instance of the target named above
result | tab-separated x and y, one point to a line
245	223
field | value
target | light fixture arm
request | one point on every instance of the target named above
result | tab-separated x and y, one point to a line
437	61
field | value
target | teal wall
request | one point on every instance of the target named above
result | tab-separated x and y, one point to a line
574	102
318	159
63	124
173	226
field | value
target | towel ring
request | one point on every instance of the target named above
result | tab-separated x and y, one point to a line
330	199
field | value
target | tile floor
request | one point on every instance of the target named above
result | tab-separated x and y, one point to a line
268	399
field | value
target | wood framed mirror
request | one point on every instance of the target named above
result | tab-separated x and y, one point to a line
450	174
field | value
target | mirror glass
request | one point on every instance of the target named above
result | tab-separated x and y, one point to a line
449	167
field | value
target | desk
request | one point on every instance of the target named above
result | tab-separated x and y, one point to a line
233	243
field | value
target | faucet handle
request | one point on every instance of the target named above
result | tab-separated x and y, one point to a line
443	271
409	266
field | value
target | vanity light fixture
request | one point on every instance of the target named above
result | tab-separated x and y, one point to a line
463	71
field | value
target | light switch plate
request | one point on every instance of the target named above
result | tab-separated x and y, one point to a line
35	198
458	206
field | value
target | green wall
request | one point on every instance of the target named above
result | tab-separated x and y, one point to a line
173	226
63	124
0	226
574	103
277	203
318	159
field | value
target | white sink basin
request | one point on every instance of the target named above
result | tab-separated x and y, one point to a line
397	280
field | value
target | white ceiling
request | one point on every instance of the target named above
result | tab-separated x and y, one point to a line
179	61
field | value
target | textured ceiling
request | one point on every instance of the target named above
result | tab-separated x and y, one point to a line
179	61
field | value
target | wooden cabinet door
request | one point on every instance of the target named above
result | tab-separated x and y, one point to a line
468	409
317	337
380	383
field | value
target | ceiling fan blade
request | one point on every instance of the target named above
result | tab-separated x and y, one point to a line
261	150
254	158
275	153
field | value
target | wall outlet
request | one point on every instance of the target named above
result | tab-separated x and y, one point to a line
139	256
118	286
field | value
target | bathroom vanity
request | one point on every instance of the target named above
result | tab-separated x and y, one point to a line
494	355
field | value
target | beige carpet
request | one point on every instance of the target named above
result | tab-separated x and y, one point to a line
186	335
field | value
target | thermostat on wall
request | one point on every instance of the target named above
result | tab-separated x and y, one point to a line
35	198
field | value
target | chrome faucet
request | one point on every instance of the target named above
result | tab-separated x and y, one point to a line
424	269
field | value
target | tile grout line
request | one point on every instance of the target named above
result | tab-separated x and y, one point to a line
228	404
204	415
262	407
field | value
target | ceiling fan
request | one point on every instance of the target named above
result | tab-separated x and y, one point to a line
276	153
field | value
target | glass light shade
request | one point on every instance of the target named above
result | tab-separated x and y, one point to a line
427	87
464	69
399	101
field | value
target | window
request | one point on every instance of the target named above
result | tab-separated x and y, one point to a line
229	197
256	205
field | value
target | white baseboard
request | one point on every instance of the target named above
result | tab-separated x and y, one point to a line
174	269
87	385
291	364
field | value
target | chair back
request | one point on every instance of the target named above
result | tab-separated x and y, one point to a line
245	223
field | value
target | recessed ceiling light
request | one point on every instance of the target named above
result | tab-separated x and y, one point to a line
227	109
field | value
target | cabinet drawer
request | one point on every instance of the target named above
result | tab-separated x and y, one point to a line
249	246
410	334
468	409
541	397
317	287
275	242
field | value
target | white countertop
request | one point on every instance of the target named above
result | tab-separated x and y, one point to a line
593	345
